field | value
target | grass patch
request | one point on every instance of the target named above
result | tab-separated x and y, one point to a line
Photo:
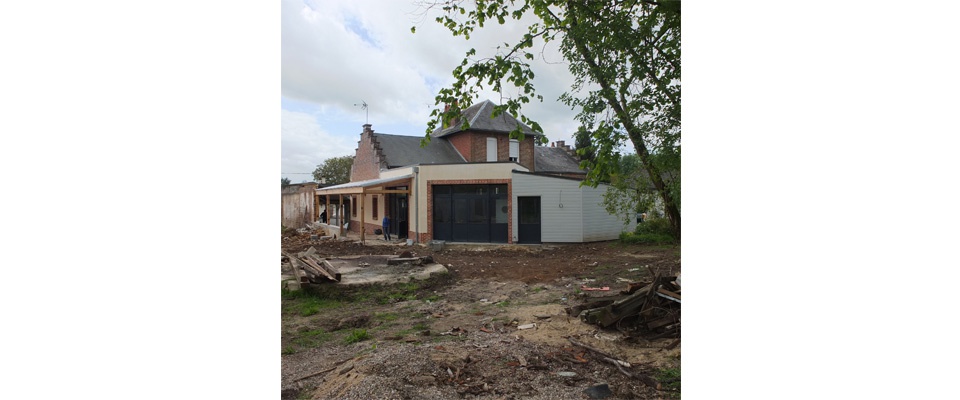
288	350
308	301
669	379
646	238
386	317
357	335
421	327
313	338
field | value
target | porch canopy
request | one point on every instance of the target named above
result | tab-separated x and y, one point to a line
363	188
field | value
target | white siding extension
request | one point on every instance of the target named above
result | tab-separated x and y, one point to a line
568	213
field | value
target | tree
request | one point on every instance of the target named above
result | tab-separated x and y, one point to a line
284	182
631	190
334	171
625	59
584	145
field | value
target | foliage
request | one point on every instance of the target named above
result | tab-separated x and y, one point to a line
334	171
646	238
669	378
625	59
284	182
654	225
631	192
357	335
307	302
584	145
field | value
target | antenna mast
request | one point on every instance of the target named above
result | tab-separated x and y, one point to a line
363	106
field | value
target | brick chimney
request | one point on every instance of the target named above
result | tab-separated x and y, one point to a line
367	128
566	147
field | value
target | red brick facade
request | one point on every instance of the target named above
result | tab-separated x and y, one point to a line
472	145
368	159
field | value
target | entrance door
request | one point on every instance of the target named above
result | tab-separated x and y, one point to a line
397	204
529	218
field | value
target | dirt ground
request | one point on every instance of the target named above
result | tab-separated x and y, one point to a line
458	335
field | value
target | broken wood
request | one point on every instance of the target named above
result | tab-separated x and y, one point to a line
600	353
673	344
315	374
322	267
668	295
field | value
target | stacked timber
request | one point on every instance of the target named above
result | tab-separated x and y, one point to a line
651	310
312	268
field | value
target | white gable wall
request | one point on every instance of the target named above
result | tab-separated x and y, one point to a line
557	224
597	223
581	218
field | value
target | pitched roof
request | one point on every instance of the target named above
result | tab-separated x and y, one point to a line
555	159
479	116
399	151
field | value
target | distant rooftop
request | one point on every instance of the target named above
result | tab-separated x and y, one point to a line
401	151
480	117
556	160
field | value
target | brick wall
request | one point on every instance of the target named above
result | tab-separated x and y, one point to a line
368	159
463	144
472	145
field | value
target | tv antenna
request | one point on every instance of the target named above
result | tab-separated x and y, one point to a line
363	106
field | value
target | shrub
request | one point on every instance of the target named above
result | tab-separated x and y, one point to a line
654	225
646	238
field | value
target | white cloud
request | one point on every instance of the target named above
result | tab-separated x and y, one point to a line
336	53
304	144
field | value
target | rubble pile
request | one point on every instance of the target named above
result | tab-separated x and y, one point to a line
650	311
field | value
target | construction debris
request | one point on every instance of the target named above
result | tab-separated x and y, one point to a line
309	267
651	311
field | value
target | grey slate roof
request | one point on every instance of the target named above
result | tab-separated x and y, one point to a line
555	159
479	118
401	151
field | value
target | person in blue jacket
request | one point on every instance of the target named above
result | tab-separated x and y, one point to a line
386	226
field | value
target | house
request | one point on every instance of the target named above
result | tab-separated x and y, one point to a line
297	205
472	185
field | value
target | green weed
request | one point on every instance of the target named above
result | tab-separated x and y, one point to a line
313	338
669	378
357	335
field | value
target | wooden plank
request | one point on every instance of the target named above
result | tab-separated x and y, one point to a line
663	321
327	266
669	295
320	270
296	270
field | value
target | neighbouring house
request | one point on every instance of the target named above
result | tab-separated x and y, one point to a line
473	185
298	205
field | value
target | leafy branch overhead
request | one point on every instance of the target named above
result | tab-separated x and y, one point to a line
625	59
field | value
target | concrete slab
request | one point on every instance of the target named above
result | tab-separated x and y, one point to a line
357	270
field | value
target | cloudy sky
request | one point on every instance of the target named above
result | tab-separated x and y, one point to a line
335	55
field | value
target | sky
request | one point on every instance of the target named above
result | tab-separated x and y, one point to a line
336	55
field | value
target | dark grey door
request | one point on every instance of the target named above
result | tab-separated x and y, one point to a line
529	219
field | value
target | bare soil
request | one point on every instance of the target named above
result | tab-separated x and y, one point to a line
458	335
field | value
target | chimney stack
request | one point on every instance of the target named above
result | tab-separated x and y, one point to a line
367	128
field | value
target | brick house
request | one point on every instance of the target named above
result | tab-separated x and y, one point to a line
463	186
